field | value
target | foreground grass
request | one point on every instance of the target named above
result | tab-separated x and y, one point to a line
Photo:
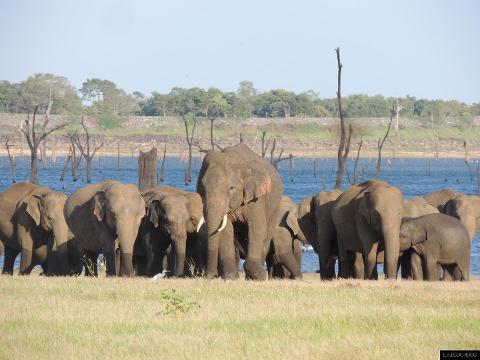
177	319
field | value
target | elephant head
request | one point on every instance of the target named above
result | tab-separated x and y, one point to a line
227	183
467	210
46	211
315	219
177	216
382	208
120	208
416	207
411	234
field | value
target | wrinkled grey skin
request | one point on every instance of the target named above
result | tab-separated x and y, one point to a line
315	220
413	208
105	217
284	257
367	218
467	210
441	197
169	227
239	184
32	223
438	239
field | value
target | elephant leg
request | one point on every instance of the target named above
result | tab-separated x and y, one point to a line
346	261
26	262
10	255
110	260
431	268
359	266
370	261
41	257
448	272
227	253
257	234
406	265
284	254
416	265
91	268
118	263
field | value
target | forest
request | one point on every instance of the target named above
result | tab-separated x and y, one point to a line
99	97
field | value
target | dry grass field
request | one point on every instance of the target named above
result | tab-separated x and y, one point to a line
194	318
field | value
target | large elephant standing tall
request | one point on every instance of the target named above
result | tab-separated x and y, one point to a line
104	218
173	219
367	218
241	196
32	223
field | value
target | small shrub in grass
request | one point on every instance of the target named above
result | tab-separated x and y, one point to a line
108	121
174	303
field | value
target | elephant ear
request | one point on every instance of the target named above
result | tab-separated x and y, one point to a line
363	209
419	236
98	205
34	207
256	182
153	212
292	222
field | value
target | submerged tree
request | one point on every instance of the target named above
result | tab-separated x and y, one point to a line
34	139
344	146
380	146
87	150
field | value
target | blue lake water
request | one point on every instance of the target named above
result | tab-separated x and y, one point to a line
413	176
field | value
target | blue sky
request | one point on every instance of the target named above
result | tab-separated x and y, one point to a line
428	49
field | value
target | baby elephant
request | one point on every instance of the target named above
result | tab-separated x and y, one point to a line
438	239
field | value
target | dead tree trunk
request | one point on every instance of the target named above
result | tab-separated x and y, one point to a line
380	146
86	150
467	160
264	145
118	156
212	119
76	158
292	168
398	108
161	177
189	137
34	140
68	158
344	146
435	135
354	180
43	154
147	169
13	162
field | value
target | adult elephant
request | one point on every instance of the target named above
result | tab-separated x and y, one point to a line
315	220
438	239
441	197
173	219
367	218
285	256
241	196
105	218
32	223
467	210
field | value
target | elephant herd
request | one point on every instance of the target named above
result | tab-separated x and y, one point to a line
238	212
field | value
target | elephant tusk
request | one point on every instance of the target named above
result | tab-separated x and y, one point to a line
223	224
202	221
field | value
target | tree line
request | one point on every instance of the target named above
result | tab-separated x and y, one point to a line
98	97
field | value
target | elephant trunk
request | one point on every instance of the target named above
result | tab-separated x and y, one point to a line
58	263
391	237
127	233
179	237
213	215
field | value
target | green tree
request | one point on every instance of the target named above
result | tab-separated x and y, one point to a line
35	91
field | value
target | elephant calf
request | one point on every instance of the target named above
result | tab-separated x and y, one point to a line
284	257
170	228
438	239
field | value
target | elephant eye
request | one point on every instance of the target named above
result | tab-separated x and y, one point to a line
231	188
